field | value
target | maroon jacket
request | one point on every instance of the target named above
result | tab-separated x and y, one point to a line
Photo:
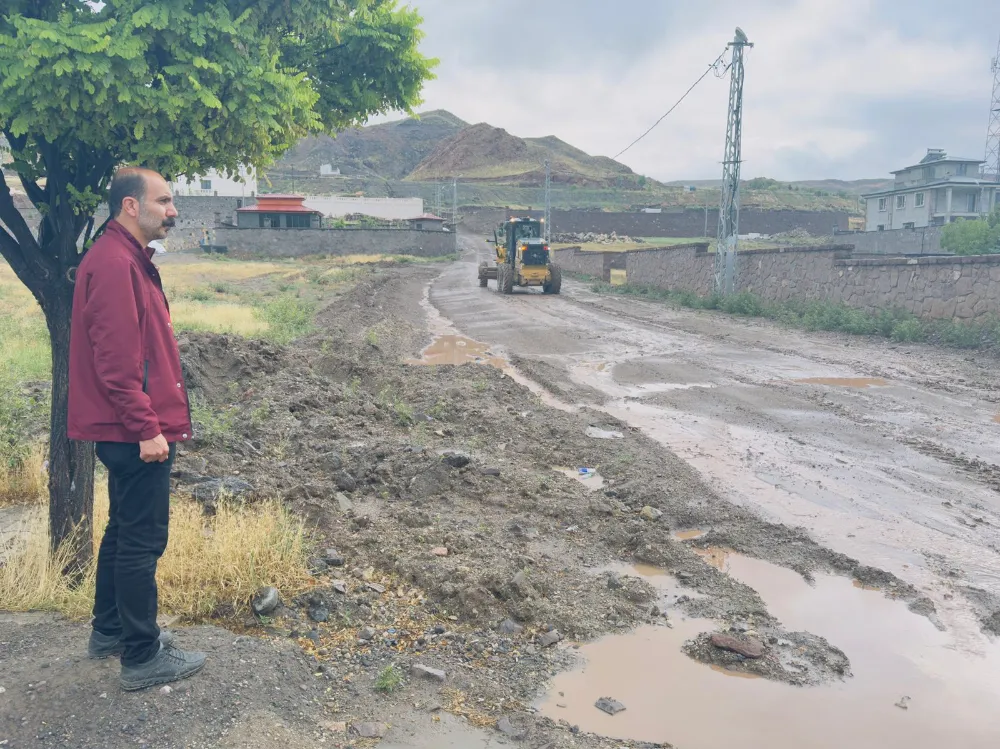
125	382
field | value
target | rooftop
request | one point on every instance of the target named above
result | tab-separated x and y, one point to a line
426	217
951	181
938	156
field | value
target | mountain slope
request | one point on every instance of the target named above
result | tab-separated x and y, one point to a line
391	150
485	153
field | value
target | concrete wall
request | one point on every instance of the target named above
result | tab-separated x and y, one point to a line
575	260
300	242
671	223
964	288
926	241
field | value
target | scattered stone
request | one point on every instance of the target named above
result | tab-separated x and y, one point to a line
902	704
369	730
490	472
510	627
748	647
345	482
333	558
650	513
367	634
604	434
266	601
344	503
166	690
456	459
549	638
440	551
319	613
380	589
684	576
608	705
614	581
427	672
334	726
509	729
340	586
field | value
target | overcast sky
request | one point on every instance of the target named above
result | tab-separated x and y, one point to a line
834	88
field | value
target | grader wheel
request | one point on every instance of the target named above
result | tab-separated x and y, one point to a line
508	279
555	280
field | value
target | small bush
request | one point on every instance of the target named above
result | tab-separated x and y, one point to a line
288	318
389	680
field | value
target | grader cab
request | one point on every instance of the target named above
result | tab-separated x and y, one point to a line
522	258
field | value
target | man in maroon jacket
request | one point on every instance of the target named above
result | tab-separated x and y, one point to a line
126	394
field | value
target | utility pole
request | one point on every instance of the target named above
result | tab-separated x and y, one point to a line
454	210
706	215
548	202
992	164
729	205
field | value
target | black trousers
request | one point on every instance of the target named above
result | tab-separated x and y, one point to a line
125	602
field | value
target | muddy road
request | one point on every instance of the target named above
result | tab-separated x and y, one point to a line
886	453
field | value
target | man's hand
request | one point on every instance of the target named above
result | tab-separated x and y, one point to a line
155	450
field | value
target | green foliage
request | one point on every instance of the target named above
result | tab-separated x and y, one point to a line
20	417
975	237
289	317
762	183
389	680
211	426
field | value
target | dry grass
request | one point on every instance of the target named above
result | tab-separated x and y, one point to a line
224	317
27	483
211	568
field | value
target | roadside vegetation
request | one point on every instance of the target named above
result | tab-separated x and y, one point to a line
893	324
977	237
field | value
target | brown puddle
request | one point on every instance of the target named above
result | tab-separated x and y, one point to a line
592	480
845	382
894	653
715	556
689	535
997	418
456	349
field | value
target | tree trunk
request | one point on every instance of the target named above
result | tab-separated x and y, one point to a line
71	463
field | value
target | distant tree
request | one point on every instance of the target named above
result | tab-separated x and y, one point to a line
973	237
181	86
762	183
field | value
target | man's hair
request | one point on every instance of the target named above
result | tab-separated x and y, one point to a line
127	183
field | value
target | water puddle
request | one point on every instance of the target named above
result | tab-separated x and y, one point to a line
715	556
586	476
894	654
844	382
997	418
689	535
457	350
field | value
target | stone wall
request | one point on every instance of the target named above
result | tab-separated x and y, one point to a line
943	287
925	241
575	260
679	222
300	242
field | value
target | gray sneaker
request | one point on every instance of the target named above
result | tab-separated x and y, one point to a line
170	664
105	646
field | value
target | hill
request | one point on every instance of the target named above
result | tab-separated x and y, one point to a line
485	153
389	150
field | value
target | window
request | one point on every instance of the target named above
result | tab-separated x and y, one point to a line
881	227
918	200
298	220
962	169
909	225
206	184
972	202
900	201
270	220
883	203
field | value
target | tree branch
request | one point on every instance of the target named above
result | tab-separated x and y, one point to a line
24	239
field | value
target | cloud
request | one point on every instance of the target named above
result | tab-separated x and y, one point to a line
842	89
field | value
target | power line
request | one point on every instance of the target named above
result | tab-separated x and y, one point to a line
700	79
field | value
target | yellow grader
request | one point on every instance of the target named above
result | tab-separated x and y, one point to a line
522	258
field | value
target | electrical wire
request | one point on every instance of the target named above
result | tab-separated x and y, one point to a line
713	66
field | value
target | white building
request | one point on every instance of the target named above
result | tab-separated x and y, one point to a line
387	208
214	184
937	191
327	170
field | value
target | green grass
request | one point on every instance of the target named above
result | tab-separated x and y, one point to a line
893	324
21	417
288	317
388	680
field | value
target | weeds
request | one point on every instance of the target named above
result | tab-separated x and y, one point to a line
211	426
389	680
287	317
895	324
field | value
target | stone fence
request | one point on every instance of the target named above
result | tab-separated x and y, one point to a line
301	242
942	287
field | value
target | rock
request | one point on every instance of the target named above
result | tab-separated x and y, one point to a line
614	581
427	672
650	513
345	482
440	551
510	627
340	586
367	634
684	576
380	589
369	730
331	462
319	613
490	472
456	459
549	638
748	647
213	490
166	690
608	705
343	502
266	601
333	558
903	703
507	728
